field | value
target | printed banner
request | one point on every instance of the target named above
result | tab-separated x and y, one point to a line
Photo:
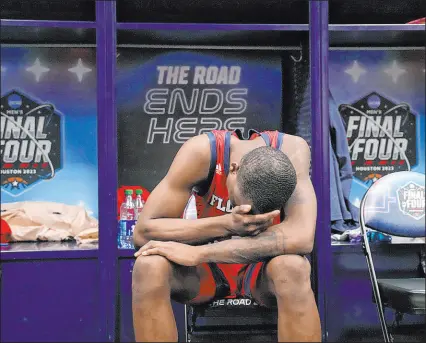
380	98
411	200
31	133
166	97
48	126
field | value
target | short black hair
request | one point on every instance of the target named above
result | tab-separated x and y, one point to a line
267	177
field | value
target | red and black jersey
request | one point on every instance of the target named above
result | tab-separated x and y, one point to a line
212	199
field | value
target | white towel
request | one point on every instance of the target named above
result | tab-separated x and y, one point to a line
48	221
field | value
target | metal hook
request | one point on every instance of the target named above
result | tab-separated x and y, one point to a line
299	59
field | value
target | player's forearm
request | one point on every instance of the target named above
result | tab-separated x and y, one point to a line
264	246
242	250
189	231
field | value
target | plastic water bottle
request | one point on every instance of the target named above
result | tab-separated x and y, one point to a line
121	237
139	203
126	224
378	237
127	209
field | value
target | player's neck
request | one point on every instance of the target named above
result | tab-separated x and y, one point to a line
241	147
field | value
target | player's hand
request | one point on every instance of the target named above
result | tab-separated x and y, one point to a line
183	254
243	224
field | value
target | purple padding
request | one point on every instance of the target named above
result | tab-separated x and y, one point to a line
50	301
213	27
48	23
372	27
395	205
19	251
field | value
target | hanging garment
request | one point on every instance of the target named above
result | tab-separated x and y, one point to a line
344	216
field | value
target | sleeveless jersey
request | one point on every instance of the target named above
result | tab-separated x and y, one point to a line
211	196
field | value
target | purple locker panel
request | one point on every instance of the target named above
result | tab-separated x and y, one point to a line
352	315
49	300
125	303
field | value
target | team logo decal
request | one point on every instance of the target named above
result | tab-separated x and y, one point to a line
381	136
30	142
411	200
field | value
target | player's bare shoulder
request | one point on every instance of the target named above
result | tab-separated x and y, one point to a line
198	146
297	150
192	161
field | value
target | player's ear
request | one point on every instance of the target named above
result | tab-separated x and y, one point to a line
234	167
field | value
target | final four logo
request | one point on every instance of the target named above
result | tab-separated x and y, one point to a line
381	136
411	200
30	142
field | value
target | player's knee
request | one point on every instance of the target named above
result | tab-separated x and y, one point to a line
150	274
290	275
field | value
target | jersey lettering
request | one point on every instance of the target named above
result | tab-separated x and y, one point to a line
218	202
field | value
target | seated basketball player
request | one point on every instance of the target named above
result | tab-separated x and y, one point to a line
241	188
